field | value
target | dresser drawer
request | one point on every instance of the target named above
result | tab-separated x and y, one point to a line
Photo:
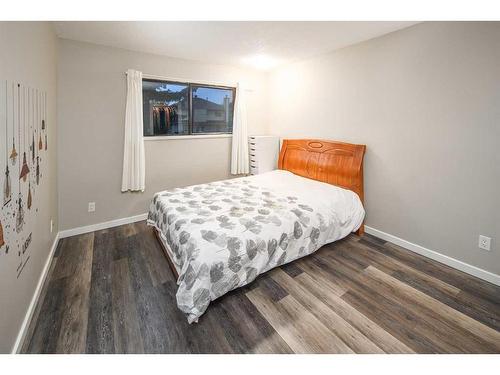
263	153
254	170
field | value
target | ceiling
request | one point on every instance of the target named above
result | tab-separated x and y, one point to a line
261	45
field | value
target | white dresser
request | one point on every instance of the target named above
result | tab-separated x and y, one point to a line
264	152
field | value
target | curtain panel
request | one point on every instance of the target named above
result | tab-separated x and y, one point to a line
239	149
133	177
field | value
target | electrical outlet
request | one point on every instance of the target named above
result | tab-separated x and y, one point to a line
91	206
484	242
51	225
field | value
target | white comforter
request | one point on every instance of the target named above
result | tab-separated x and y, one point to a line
224	234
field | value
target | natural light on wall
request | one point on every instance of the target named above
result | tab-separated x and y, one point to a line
261	61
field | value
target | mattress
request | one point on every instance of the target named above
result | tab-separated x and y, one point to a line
222	235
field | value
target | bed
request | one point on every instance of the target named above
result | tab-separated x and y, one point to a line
221	235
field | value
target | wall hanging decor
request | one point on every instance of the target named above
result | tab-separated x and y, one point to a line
30	198
23	113
6	184
44	110
40	144
38	170
6	187
44	121
13	153
20	214
44	126
20	209
38	126
32	148
24	169
2	242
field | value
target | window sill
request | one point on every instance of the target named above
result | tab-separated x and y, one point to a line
178	137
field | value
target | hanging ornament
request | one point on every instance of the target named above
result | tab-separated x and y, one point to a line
44	110
33	149
45	119
29	196
40	114
24	170
19	215
7	187
32	145
37	170
13	153
35	121
2	242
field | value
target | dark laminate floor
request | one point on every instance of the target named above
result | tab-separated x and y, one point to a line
112	292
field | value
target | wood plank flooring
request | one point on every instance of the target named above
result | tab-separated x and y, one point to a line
112	291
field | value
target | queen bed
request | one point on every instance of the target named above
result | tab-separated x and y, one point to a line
221	235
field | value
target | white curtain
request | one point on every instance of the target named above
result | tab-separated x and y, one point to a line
239	152
133	177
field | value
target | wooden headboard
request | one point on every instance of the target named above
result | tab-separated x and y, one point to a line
336	163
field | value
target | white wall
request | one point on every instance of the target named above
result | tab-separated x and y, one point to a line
28	56
426	102
91	102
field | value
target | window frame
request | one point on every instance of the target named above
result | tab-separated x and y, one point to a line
190	133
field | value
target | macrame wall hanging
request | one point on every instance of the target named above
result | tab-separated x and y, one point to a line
23	121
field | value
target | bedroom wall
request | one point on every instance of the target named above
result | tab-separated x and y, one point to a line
28	57
425	101
91	100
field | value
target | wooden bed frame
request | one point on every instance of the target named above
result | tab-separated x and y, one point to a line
165	251
336	163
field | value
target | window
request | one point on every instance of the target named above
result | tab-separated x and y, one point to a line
177	108
212	109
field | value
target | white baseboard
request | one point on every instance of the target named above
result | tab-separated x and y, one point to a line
100	226
34	300
452	262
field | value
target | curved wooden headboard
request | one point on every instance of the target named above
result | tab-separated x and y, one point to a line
336	163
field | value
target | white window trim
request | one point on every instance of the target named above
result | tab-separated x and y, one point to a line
178	137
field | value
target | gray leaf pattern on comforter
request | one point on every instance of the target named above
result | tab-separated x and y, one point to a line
224	234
